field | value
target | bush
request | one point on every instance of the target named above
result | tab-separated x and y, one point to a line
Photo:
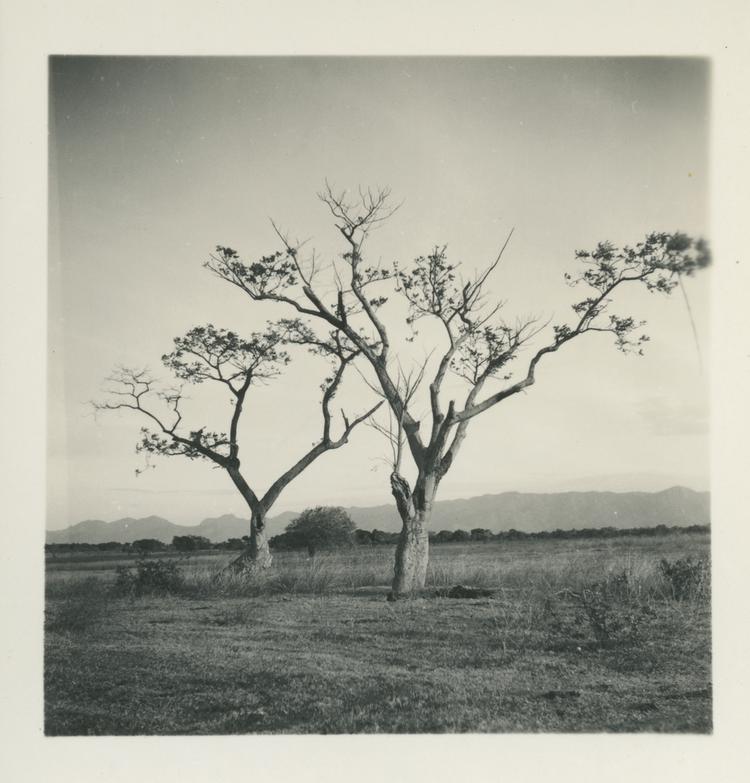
323	527
151	577
144	545
381	537
190	543
611	610
687	579
481	534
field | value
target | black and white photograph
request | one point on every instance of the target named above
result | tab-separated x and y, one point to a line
378	396
375	382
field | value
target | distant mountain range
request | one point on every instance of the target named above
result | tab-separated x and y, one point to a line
527	512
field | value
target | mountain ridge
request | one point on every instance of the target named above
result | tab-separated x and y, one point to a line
524	511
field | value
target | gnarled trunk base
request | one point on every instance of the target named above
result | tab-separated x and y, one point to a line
257	556
412	554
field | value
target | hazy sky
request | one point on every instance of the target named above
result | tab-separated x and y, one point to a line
153	162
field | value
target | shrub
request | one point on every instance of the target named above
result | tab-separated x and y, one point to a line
148	545
190	543
481	534
381	537
610	609
317	528
150	577
687	579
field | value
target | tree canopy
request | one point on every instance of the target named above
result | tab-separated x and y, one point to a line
217	355
322	527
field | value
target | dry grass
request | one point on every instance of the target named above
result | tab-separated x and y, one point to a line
541	567
312	646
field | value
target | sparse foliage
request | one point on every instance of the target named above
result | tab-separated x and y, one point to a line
210	354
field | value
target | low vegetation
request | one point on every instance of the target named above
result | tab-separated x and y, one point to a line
151	577
372	537
595	635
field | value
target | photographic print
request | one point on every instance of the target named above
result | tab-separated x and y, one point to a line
378	396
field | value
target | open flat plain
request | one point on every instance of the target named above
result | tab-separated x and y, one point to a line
576	636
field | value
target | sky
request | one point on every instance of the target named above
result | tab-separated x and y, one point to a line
153	162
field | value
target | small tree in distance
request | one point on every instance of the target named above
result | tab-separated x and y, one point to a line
145	545
323	527
210	354
190	543
481	534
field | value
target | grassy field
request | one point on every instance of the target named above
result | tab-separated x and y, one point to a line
578	636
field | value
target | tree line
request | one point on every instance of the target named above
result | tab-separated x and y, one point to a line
291	542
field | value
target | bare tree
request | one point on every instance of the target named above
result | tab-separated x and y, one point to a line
478	344
207	353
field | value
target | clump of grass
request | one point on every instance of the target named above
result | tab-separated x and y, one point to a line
150	577
316	576
232	616
613	609
80	606
517	622
539	574
447	574
686	579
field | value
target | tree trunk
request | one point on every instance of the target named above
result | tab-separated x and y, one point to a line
257	555
260	551
412	551
412	554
